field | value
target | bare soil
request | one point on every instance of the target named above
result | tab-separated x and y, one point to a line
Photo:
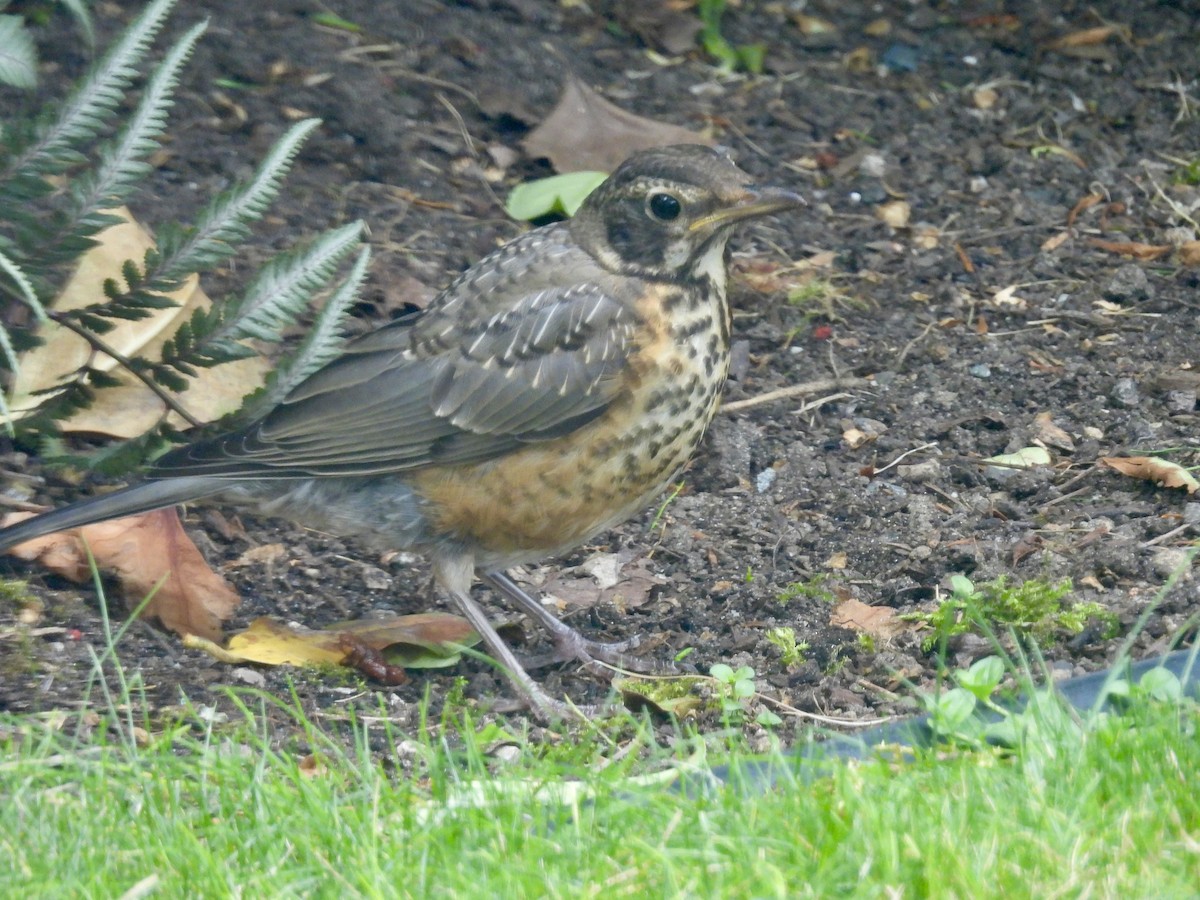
957	334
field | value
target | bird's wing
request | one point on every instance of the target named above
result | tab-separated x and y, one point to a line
417	393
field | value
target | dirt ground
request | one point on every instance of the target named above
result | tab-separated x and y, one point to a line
989	321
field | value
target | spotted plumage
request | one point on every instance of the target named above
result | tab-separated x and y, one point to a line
550	391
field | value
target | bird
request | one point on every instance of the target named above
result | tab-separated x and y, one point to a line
549	392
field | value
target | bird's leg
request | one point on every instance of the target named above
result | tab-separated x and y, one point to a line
455	574
569	643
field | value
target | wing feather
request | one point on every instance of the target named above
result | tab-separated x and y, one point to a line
407	396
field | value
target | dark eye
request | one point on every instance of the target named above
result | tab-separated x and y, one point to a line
664	207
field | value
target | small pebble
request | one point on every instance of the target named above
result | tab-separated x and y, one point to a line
1125	393
1167	560
765	479
252	677
980	370
1129	283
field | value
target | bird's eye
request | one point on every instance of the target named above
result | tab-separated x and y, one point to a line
664	207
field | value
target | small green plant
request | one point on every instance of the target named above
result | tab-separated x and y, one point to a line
1188	173
812	589
730	58
1034	608
734	686
791	652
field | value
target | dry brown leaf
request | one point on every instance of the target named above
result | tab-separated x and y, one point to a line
877	621
584	132
1088	37
1150	468
1086	202
1189	253
1049	433
130	408
142	552
1135	249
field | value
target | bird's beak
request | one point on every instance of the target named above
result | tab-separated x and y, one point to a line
752	202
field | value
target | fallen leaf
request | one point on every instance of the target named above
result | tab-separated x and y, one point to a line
1025	458
877	621
1088	37
586	132
1135	249
148	554
1189	253
556	194
610	578
1049	433
1162	472
425	640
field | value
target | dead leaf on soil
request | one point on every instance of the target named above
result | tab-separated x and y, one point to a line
1025	458
584	132
1162	472
148	553
877	621
422	641
1136	249
1189	253
610	577
1049	433
130	408
1089	37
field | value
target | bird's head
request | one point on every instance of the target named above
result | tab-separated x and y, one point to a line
664	213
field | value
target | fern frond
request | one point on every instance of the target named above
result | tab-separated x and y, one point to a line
227	219
53	147
322	343
284	287
25	289
122	162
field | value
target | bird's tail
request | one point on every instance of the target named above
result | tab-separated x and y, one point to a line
128	501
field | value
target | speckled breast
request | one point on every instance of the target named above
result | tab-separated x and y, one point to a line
550	497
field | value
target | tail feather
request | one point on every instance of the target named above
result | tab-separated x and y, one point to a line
128	501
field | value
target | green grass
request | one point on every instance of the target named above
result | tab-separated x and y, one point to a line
1108	806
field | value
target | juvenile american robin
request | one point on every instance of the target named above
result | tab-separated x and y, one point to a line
550	392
